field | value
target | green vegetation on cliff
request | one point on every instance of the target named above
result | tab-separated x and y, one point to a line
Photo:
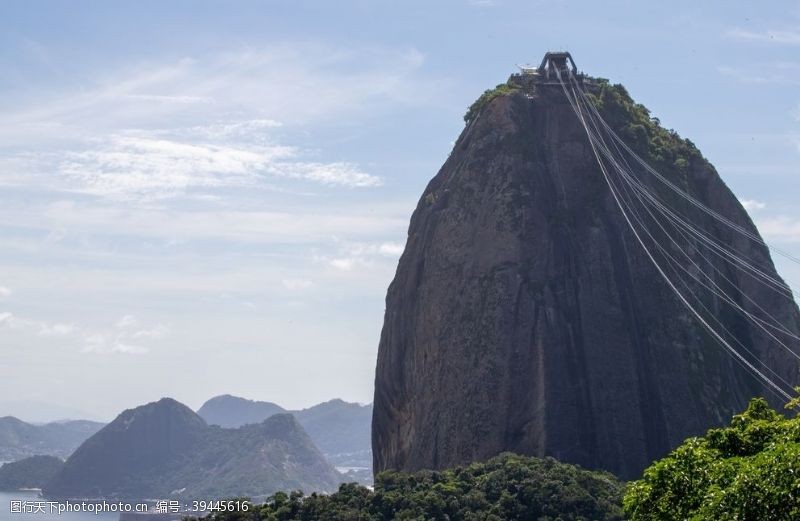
663	149
749	470
487	96
506	487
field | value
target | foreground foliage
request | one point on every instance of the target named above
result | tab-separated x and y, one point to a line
748	471
505	487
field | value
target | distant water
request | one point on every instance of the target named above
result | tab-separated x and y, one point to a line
30	496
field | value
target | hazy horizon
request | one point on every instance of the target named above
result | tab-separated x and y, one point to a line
44	412
204	198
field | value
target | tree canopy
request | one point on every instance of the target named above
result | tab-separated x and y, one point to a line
747	471
506	487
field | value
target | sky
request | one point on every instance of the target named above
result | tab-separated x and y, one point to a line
206	197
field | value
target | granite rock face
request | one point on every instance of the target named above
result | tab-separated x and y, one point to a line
524	316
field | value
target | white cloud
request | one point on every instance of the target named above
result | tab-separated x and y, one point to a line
126	322
156	332
344	264
57	329
5	292
170	99
391	249
117	137
10	320
752	204
120	347
103	343
783	228
7	319
764	73
785	37
148	166
298	225
352	254
121	338
384	249
297	83
297	284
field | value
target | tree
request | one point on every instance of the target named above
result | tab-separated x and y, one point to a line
747	471
505	487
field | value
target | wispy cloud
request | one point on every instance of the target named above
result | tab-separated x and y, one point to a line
156	332
119	139
132	167
124	337
296	226
358	254
145	166
752	204
126	322
764	73
102	344
57	329
5	292
297	284
785	37
170	99
295	83
782	228
40	327
8	319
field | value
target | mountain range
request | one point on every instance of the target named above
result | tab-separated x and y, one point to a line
165	450
19	439
340	429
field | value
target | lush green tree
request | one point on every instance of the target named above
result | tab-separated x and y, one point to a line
506	487
747	471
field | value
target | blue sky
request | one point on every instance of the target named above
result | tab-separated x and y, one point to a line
204	197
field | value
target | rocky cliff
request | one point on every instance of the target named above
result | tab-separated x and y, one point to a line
524	316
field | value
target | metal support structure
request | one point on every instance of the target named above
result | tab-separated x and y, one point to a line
557	61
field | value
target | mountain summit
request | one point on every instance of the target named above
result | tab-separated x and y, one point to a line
525	317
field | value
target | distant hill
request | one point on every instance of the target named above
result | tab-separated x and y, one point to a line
39	412
19	439
232	411
164	449
31	472
340	429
